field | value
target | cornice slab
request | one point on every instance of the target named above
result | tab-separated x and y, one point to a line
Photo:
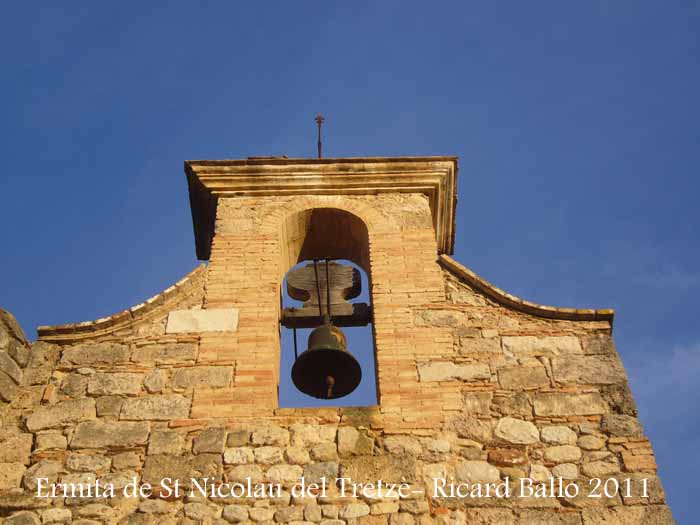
435	177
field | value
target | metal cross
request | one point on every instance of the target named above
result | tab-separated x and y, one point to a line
319	120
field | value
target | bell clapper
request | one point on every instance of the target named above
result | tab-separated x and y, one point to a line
330	383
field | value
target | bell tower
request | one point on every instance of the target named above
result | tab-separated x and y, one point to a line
254	219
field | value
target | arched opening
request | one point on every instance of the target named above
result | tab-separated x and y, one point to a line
339	239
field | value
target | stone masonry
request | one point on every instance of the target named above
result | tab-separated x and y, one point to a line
474	385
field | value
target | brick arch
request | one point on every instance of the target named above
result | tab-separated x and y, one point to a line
327	227
363	211
355	223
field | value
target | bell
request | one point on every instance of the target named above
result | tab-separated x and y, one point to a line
326	370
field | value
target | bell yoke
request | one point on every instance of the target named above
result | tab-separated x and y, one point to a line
326	369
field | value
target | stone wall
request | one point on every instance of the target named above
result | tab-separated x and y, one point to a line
474	385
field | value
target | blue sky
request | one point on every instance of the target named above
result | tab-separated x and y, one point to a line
576	124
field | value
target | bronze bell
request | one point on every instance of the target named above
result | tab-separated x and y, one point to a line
326	370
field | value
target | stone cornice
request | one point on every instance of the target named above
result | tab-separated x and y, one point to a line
496	294
435	177
156	305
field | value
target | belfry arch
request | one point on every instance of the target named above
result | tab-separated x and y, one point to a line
309	240
321	232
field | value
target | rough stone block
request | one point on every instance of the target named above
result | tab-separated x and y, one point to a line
153	506
238	456
117	434
561	404
210	320
157	467
591	370
96	354
166	442
562	454
558	435
115	383
166	354
440	318
11	475
14	501
325	452
368	469
45	468
12	369
61	414
109	405
477	429
284	474
400	445
206	465
156	408
200	512
297	456
590	443
315	471
513	404
15	448
303	435
210	376
19	352
22	518
87	462
56	515
8	388
354	510
600	469
10	328
74	385
352	442
531	346
155	381
476	472
516	431
565	471
268	455
621	426
261	514
287	514
210	440
449	371
42	359
240	473
126	460
50	440
238	438
235	513
620	399
272	435
523	377
478	403
479	345
182	468
600	344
